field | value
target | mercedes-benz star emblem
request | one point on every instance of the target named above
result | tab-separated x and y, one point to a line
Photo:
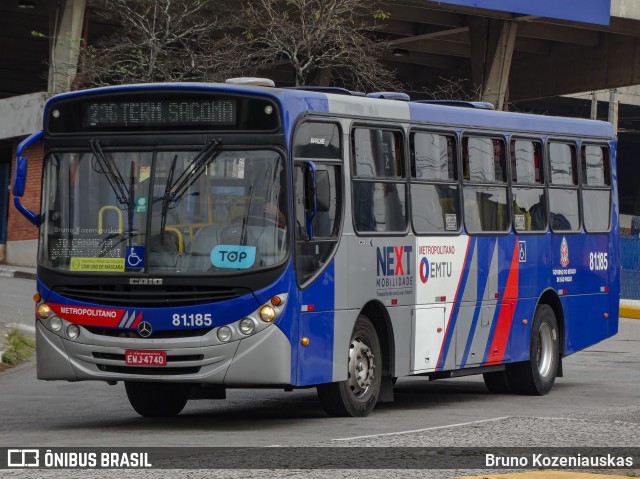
144	329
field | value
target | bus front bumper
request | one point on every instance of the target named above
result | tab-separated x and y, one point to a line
261	359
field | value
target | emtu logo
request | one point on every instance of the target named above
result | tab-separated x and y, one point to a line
424	270
391	260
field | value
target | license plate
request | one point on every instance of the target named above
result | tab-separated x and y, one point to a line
145	358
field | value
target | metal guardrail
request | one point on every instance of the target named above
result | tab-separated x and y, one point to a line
630	263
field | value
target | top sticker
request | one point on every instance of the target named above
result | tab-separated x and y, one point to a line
233	256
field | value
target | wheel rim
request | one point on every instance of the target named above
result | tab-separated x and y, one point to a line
545	350
361	366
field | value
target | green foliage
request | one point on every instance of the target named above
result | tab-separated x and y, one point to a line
18	348
381	15
37	34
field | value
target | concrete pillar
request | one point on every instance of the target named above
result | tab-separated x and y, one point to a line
613	110
492	44
67	19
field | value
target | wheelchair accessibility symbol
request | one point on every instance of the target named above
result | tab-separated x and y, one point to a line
134	257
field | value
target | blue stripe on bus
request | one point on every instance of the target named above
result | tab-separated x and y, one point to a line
450	332
486	249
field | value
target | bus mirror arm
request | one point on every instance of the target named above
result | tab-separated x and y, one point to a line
20	179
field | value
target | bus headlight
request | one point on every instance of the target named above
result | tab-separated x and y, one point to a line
247	326
267	313
224	334
73	332
43	311
55	323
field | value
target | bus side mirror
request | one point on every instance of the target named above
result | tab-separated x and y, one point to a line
20	179
21	176
310	197
323	191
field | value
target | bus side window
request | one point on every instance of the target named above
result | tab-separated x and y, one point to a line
563	188
596	188
379	189
528	194
320	143
485	185
434	189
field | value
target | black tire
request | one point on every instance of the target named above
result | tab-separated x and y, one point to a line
157	399
497	382
358	395
536	376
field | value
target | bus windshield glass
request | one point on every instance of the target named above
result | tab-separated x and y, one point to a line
205	212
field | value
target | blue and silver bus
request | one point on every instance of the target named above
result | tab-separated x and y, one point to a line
198	237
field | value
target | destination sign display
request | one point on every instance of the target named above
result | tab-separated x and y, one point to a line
108	114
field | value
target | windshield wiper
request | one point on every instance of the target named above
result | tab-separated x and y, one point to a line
110	170
192	172
174	191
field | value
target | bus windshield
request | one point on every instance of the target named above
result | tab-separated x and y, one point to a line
207	211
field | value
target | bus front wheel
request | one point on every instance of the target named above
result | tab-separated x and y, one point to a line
358	395
157	399
536	376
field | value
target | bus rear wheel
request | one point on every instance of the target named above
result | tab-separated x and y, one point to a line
358	395
157	399
497	382
536	376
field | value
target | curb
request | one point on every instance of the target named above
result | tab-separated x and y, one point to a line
14	273
627	311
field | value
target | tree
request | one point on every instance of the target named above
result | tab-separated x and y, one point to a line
152	41
322	41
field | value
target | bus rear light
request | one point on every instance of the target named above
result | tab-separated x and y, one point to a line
43	311
394	302
562	292
604	289
441	299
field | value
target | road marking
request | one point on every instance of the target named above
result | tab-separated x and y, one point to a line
460	424
545	475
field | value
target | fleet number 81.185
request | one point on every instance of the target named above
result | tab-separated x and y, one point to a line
190	320
598	261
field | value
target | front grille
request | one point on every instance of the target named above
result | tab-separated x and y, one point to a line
133	334
148	296
148	371
170	359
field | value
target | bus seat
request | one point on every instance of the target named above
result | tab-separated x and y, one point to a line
198	257
269	244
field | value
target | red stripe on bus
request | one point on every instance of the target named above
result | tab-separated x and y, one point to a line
88	315
507	310
138	319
